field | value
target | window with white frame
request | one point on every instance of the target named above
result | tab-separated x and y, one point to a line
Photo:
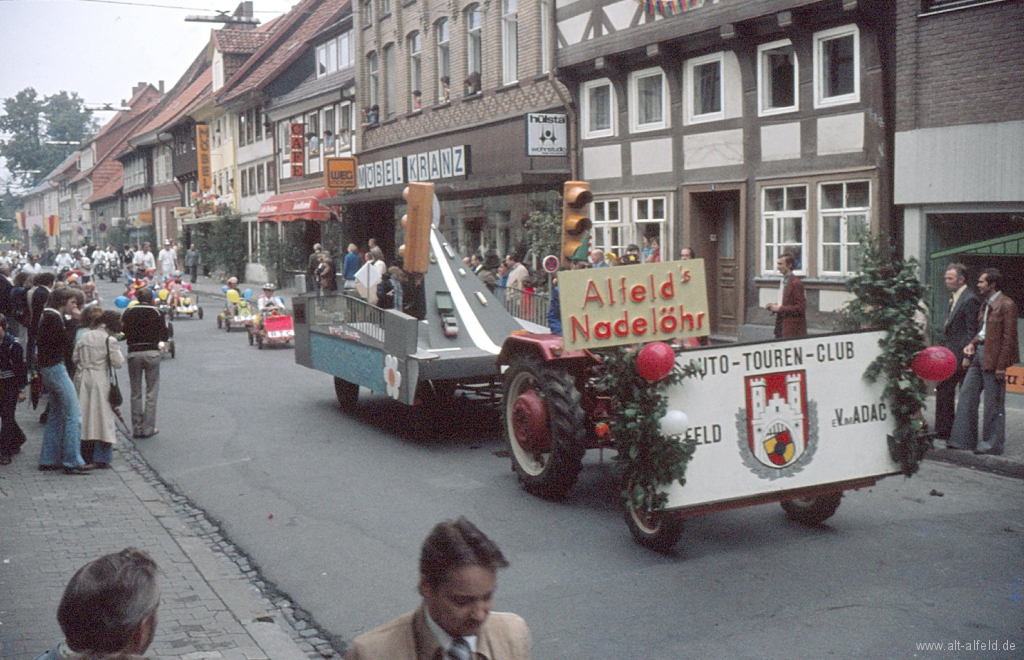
373	68
777	76
649	218
546	14
704	88
844	209
648	107
414	47
509	41
444	62
329	129
390	72
598	108
783	225
367	11
609	233
344	135
345	44
385	7
284	148
474	48
837	66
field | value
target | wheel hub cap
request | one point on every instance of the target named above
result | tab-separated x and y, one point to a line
530	422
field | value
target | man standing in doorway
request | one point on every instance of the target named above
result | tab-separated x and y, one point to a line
960	328
791	309
986	358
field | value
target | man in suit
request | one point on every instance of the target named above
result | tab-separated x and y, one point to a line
791	309
961	327
458	575
986	358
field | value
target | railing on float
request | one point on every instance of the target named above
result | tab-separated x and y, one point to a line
337	310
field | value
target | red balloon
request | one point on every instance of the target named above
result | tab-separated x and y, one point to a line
655	361
935	363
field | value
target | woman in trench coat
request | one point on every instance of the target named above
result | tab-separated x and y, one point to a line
91	354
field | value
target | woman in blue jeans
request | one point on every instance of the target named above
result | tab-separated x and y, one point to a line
54	345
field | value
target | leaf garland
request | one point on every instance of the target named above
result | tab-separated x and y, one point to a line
890	296
647	460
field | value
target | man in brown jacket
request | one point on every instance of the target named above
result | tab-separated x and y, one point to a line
986	358
458	575
791	309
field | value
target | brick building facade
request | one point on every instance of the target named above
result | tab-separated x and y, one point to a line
453	79
959	138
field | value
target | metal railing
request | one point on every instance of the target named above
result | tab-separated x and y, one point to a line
339	310
527	305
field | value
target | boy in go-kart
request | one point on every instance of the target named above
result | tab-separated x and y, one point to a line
268	303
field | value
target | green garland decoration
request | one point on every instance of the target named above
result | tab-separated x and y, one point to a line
647	460
890	296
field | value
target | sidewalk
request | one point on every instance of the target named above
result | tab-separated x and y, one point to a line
51	524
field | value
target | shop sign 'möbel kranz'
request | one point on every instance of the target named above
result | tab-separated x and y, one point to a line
633	304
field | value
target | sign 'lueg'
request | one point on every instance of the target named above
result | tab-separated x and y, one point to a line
633	304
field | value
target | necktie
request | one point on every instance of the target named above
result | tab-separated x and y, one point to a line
460	650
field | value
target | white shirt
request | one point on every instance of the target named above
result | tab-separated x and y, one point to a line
64	260
263	302
167	260
32	268
984	318
144	260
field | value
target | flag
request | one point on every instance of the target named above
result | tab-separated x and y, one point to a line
52	225
20	217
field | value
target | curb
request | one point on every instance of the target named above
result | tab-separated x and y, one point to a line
994	464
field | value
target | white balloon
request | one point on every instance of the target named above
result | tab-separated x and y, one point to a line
675	422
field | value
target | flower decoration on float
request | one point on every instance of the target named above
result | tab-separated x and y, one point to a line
392	376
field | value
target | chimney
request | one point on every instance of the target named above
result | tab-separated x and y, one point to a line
160	86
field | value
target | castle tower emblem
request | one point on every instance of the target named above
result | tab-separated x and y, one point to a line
777	432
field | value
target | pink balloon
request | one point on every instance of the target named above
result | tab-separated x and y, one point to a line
655	361
935	363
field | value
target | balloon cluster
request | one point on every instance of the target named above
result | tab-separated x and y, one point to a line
654	362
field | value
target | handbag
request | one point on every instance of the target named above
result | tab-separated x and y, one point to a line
115	397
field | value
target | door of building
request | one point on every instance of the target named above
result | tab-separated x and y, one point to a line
715	236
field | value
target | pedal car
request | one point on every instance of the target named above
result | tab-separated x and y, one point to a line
238	315
186	303
272	327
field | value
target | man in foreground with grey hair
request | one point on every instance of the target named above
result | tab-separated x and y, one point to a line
109	608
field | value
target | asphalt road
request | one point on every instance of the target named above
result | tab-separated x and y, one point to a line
333	507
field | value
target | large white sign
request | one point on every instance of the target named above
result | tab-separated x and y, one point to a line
782	415
546	134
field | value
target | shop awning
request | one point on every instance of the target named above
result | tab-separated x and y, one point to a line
298	205
1004	246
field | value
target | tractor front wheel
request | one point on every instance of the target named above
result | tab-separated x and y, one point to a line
544	426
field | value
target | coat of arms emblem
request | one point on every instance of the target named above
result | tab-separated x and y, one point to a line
778	428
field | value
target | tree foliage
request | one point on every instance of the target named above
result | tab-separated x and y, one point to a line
30	124
222	244
890	296
544	233
38	239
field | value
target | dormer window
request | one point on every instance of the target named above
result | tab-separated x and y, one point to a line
334	55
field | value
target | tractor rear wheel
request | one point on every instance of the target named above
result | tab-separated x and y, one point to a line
544	426
812	510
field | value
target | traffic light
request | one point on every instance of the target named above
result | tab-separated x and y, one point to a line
576	197
416	222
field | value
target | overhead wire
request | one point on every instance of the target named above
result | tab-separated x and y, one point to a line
159	6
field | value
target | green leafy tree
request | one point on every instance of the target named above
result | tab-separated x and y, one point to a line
39	133
890	296
38	238
544	234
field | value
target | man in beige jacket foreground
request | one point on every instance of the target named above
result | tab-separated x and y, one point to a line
458	575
